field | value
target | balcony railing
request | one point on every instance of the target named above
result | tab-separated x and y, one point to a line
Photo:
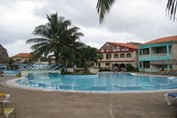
145	55
159	54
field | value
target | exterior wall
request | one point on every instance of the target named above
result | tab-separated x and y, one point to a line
136	58
174	49
174	54
20	59
154	56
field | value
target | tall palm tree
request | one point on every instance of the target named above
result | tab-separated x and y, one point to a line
54	35
104	6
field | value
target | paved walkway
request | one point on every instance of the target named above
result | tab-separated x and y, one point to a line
42	104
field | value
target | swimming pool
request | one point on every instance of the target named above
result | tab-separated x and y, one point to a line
102	82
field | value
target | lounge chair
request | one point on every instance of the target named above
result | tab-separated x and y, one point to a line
4	96
171	98
6	111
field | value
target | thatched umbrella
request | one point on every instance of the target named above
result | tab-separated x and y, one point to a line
16	64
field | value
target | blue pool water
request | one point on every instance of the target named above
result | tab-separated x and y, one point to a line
102	82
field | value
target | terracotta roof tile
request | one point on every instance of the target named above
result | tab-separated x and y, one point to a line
164	39
23	55
125	45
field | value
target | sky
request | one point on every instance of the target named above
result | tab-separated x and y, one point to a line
128	21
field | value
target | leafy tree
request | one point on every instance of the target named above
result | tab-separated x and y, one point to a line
11	61
67	56
89	55
54	36
99	57
104	6
130	68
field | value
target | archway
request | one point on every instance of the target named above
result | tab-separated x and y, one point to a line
122	67
116	67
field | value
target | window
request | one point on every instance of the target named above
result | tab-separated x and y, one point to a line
122	55
129	55
116	56
107	64
108	56
158	50
18	59
146	64
146	51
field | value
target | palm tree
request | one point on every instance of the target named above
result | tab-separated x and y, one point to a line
88	56
54	35
104	6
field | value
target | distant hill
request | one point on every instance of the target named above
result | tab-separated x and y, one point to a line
3	55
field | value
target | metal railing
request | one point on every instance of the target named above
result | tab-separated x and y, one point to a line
41	67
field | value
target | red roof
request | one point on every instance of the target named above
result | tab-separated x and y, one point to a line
132	46
23	55
164	39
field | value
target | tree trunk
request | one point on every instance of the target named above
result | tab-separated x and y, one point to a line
66	65
56	58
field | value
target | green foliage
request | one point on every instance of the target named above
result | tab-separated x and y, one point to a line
130	68
11	61
171	8
66	73
104	6
67	56
55	35
104	69
88	56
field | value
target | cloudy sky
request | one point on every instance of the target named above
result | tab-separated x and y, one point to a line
129	20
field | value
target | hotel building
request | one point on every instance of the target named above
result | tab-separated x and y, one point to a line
158	54
118	55
22	57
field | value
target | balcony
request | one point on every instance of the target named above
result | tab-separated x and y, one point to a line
145	55
159	54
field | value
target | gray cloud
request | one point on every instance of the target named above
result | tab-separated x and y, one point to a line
129	20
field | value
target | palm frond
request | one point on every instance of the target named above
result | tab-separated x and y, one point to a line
42	30
103	7
171	8
36	40
38	45
40	50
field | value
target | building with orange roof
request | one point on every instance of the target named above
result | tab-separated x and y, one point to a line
22	57
158	54
116	56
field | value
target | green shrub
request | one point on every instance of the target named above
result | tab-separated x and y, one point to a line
104	69
130	68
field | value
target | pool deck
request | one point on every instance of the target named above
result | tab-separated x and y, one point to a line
45	104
